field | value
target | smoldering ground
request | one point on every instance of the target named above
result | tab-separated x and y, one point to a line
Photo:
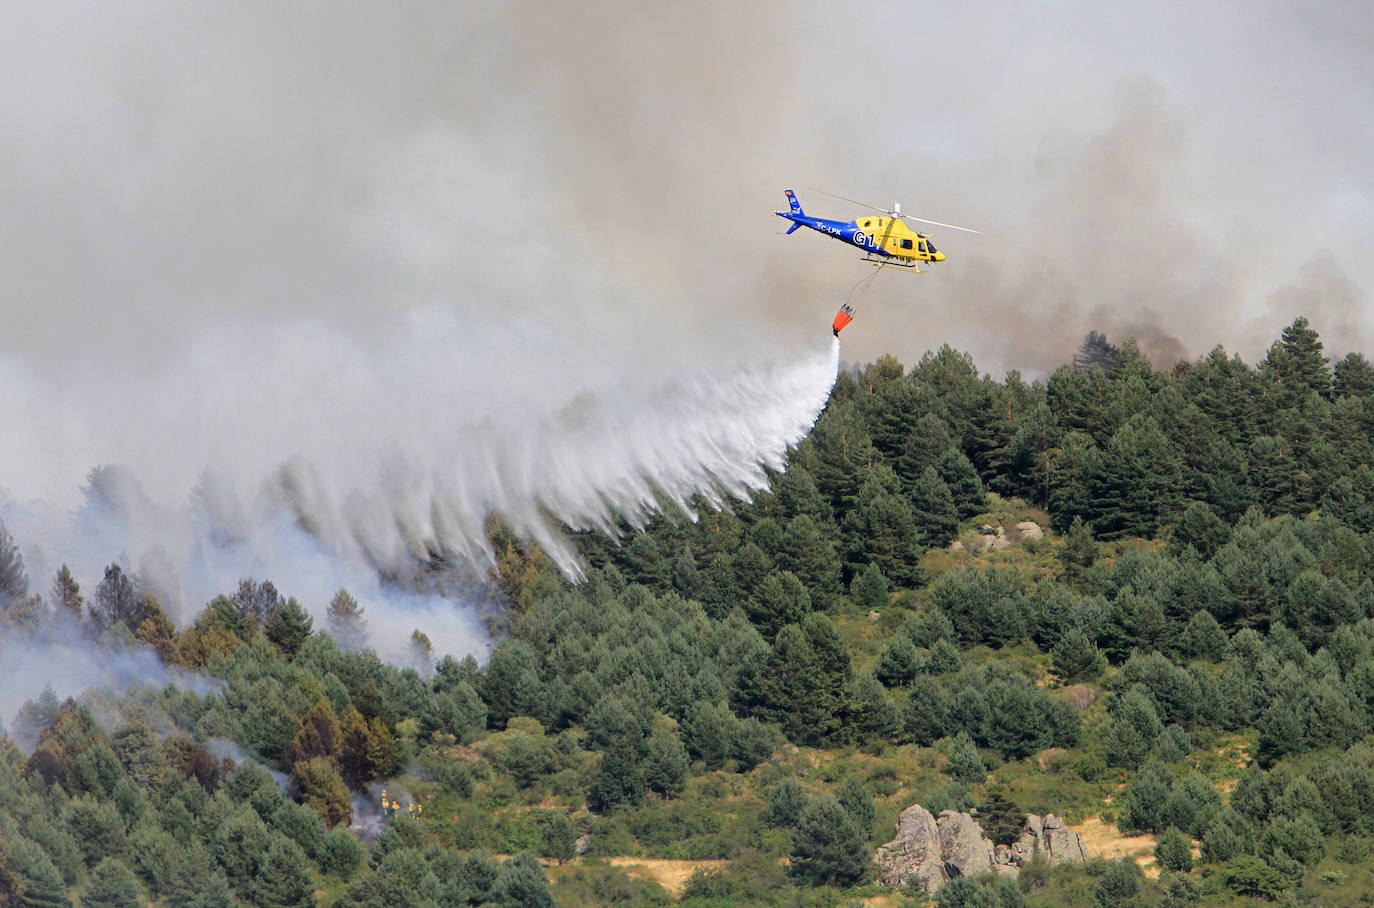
429	259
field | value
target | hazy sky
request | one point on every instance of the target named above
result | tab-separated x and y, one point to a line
400	239
602	174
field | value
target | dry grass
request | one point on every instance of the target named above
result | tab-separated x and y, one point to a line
1104	840
671	875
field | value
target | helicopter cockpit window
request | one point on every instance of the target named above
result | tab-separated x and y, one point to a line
923	245
931	247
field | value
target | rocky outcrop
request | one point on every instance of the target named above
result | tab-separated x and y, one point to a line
914	854
928	852
966	851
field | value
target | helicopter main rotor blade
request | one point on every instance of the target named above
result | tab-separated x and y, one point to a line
897	213
853	201
909	217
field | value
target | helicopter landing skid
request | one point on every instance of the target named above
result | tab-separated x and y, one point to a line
900	261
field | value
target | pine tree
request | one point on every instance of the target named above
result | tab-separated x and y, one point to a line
14	582
421	652
1150	790
112	885
1174	851
963	482
346	623
1096	352
666	762
899	662
1307	369
256	602
522	883
1354	376
115	600
933	510
827	847
780	599
33	871
619	781
283	879
965	765
1134	726
557	836
1118	884
869	588
1076	657
289	627
786	802
66	594
857	801
316	784
927	706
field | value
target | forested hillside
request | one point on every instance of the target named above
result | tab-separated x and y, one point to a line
1187	651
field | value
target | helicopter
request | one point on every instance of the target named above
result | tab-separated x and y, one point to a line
885	240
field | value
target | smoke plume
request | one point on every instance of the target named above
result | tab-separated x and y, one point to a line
330	282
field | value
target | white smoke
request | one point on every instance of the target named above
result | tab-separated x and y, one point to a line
70	664
315	460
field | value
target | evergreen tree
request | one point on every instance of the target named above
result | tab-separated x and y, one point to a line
522	883
1145	804
827	847
927	705
869	587
1096	352
963	482
317	785
341	852
1354	376
1080	549
1203	637
899	662
115	600
619	781
289	627
1076	657
1137	481
786	802
936	517
965	765
557	836
112	885
14	582
346	623
1133	729
944	658
1174	852
780	599
66	593
857	802
666	763
421	652
1118	884
1001	819
33	874
283	879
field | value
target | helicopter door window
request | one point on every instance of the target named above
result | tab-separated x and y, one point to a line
906	244
923	245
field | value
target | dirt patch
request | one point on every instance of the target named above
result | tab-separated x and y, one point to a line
671	875
1104	840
